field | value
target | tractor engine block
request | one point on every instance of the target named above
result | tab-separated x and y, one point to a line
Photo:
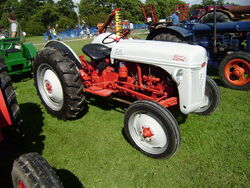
139	81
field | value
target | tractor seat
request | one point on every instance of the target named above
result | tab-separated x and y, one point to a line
13	50
96	52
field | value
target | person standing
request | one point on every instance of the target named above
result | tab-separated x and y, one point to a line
49	34
175	17
15	29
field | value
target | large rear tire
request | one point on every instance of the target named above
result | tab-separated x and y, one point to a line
209	17
9	104
234	71
168	37
152	129
212	92
58	83
31	170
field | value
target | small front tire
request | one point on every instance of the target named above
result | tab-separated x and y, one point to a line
152	129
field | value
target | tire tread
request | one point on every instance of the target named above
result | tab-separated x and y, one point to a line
70	80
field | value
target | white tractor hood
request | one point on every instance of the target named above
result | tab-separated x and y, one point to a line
159	53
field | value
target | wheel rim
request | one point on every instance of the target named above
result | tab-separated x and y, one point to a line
237	72
50	87
147	132
20	184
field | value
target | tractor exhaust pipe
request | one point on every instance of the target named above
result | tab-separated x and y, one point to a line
215	31
121	100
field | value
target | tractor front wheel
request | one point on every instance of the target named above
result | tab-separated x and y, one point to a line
212	94
234	71
58	83
31	170
152	129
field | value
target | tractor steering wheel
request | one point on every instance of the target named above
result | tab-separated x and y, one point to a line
109	37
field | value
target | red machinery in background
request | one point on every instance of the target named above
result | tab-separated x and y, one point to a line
224	13
183	9
150	16
115	23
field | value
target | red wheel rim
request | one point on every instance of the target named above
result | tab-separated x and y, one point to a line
237	72
20	184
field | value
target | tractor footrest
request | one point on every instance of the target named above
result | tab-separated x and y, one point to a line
98	91
169	102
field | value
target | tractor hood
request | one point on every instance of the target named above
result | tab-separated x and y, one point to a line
159	53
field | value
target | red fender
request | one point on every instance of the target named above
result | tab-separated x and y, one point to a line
4	112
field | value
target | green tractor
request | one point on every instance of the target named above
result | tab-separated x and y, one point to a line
17	57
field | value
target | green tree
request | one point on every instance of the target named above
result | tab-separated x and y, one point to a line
5	6
130	10
91	13
66	10
26	8
207	2
164	8
63	22
46	15
34	28
94	11
2	3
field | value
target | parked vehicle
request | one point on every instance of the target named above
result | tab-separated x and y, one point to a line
227	44
30	169
224	13
17	57
152	76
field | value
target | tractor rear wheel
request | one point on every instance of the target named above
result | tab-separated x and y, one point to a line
9	105
58	83
212	93
168	37
31	170
209	17
234	71
152	129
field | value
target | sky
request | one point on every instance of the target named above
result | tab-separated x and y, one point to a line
191	2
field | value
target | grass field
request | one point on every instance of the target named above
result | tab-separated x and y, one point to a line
92	151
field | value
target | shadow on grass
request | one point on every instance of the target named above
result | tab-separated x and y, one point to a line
82	113
68	179
12	148
33	141
106	103
22	77
213	73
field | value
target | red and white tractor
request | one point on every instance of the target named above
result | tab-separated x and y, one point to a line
154	77
30	169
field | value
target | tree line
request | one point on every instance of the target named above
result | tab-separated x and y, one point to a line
36	15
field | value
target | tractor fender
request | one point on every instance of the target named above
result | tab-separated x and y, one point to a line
228	13
29	51
178	31
66	49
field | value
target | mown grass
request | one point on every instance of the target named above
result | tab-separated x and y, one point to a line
93	152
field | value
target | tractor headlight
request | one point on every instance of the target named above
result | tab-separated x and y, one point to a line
177	75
